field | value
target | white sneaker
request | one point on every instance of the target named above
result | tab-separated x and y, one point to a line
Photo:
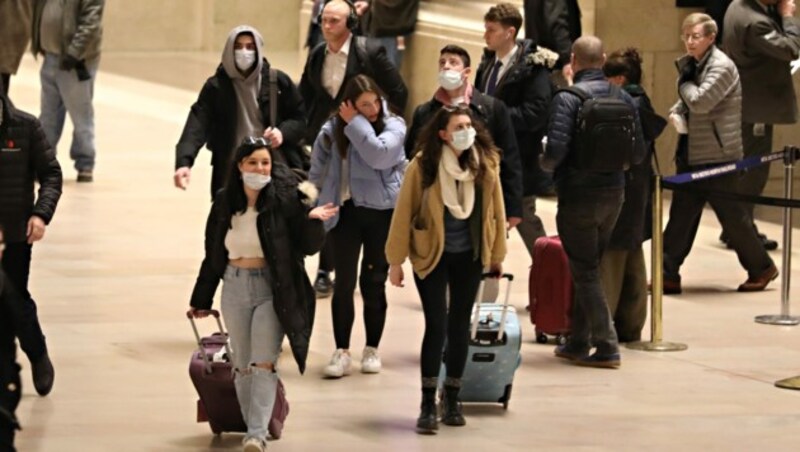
254	445
370	361
339	365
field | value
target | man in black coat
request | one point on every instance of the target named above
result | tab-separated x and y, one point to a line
342	56
329	67
762	37
554	24
26	158
234	104
455	89
517	72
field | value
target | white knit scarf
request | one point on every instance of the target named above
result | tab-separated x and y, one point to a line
459	198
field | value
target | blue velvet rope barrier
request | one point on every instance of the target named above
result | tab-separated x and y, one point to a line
727	168
682	181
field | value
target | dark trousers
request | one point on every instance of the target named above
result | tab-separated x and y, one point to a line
326	255
360	228
17	265
6	81
462	275
585	224
10	390
753	181
684	218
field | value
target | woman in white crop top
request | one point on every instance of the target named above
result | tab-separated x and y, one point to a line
260	228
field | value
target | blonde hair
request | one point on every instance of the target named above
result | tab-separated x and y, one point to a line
694	19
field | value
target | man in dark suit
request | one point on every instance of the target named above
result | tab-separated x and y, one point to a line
517	73
762	37
329	67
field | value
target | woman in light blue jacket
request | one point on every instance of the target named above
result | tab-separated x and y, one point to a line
358	163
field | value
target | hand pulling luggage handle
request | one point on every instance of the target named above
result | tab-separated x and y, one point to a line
216	315
477	307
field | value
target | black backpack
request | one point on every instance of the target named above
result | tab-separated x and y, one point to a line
605	132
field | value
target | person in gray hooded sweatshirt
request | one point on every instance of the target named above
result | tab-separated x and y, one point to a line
235	103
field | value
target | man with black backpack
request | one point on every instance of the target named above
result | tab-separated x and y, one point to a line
594	135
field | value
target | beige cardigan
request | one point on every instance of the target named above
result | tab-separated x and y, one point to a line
421	237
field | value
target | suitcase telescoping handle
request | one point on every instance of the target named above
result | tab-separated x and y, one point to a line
214	313
477	308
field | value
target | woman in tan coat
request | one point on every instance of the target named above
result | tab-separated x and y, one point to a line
450	221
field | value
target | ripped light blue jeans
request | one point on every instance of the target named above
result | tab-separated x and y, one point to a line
256	336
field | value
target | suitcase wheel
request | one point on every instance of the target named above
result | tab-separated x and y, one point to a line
561	339
541	338
506	397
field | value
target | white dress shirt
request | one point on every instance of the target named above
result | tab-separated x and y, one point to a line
334	67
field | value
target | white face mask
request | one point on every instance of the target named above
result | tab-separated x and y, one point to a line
463	139
450	79
244	58
256	181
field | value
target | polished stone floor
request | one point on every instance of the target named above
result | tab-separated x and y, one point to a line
113	276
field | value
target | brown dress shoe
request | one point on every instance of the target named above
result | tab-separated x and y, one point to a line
759	282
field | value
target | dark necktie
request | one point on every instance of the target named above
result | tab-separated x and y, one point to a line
492	83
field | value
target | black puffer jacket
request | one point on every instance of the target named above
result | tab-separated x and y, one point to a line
212	121
287	235
632	225
494	115
525	89
25	158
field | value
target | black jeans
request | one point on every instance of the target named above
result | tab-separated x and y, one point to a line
684	218
17	266
368	228
462	275
585	224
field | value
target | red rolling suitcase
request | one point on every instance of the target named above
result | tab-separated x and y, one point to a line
217	403
551	291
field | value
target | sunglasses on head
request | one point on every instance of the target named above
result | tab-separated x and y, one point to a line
256	141
460	108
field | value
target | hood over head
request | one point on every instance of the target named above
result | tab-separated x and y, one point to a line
228	60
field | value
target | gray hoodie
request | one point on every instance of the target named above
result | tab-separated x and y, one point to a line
249	121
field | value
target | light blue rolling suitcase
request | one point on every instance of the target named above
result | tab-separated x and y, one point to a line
494	351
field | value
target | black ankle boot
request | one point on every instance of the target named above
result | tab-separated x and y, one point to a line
451	407
427	422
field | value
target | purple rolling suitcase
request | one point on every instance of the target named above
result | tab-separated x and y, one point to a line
218	404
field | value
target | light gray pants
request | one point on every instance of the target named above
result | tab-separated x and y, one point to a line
256	336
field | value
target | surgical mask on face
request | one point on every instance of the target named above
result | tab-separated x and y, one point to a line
450	79
256	181
463	139
244	58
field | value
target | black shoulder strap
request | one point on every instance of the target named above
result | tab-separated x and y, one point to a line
273	97
582	95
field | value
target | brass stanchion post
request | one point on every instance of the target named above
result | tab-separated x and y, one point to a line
792	382
656	297
784	318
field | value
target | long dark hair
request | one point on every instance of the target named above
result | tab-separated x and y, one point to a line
625	62
429	144
234	187
357	86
